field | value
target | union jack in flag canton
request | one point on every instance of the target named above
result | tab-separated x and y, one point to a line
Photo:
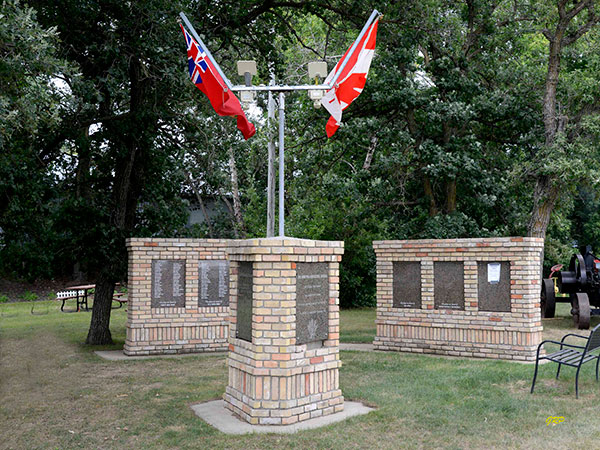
206	78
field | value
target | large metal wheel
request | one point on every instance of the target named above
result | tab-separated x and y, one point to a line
577	265
548	299
580	310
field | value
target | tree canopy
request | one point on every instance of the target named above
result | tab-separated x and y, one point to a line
478	119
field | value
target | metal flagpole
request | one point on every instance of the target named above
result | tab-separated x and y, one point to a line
372	17
281	163
270	163
206	50
270	107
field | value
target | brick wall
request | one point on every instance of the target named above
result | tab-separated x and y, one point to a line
273	379
189	328
512	332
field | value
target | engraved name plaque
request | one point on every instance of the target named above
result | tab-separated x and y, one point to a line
213	283
449	285
244	301
407	284
168	283
312	302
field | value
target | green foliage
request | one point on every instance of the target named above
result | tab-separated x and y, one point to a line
445	141
29	100
29	296
30	110
3	298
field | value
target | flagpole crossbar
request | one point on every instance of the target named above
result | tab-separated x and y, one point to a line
281	106
282	88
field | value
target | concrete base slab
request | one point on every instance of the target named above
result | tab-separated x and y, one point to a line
214	413
118	355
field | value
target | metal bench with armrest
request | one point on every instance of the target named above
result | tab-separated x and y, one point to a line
573	355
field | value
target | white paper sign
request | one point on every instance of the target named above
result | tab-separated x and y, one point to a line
493	273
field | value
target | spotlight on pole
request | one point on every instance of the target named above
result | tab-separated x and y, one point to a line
247	69
316	71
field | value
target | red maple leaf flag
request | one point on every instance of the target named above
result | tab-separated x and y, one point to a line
206	78
352	79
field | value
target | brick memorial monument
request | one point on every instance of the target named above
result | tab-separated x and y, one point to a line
461	297
284	330
178	296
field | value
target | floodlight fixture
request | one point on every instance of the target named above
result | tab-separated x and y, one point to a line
317	70
247	69
247	97
246	66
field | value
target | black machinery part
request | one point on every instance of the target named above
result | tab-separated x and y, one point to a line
570	281
548	298
580	310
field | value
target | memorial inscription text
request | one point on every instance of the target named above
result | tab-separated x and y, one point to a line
213	283
449	285
407	284
244	301
168	283
312	302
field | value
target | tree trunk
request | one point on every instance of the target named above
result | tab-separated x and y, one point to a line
99	333
128	182
450	196
201	202
544	199
370	153
549	105
236	232
429	194
237	204
545	192
83	164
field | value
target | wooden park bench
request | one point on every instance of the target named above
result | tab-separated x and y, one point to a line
571	357
120	297
79	294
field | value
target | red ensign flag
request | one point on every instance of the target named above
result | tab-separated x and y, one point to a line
206	78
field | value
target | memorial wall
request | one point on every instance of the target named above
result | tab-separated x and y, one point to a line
461	297
178	294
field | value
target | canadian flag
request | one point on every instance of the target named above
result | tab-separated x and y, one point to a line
352	79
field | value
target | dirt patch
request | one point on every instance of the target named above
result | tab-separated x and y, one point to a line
57	395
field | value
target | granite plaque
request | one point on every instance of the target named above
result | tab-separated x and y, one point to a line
244	301
493	295
449	285
407	284
213	283
312	302
168	283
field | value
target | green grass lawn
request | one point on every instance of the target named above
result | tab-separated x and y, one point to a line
55	393
357	325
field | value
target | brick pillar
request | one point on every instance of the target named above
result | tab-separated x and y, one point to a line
284	330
